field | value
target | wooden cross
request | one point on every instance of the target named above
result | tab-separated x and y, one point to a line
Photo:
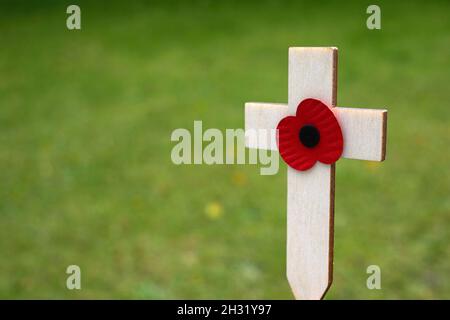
310	198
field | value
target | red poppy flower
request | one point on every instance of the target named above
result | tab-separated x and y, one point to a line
313	134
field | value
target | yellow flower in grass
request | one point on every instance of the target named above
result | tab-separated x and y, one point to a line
372	165
239	179
214	210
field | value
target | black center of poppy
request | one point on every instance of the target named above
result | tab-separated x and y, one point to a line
309	136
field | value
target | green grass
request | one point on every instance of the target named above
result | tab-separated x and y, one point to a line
86	176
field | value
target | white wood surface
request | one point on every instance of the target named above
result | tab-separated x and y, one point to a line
364	130
310	230
312	74
263	118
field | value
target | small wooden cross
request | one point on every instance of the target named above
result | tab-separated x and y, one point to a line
310	199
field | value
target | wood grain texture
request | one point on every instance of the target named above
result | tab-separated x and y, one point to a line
364	132
310	207
312	74
263	118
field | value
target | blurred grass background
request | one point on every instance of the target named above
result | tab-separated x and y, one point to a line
86	176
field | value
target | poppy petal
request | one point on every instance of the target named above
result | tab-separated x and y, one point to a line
311	112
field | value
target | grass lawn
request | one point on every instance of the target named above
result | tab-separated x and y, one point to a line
86	176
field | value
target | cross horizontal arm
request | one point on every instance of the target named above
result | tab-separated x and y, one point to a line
364	130
264	118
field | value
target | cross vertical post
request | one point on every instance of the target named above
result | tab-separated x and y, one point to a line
310	199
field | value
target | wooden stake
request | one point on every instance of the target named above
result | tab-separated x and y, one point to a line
310	199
